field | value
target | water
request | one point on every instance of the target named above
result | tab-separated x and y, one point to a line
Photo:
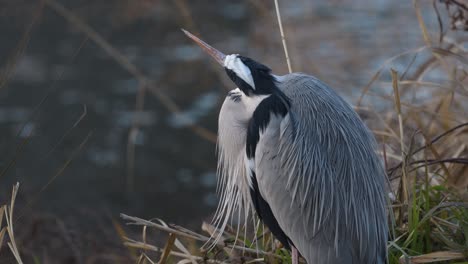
90	94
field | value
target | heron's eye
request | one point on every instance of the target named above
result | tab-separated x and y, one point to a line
236	98
235	95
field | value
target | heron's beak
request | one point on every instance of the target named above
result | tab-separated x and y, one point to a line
216	54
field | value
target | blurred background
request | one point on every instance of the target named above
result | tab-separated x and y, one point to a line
106	107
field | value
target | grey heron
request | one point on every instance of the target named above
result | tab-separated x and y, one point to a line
297	153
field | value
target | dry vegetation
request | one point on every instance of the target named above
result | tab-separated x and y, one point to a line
420	117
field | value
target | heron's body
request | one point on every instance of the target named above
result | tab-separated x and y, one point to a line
297	153
315	180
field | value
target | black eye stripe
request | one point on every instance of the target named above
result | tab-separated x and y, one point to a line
263	80
245	87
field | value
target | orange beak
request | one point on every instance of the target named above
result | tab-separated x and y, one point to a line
216	54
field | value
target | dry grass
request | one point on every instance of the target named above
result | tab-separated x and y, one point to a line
7	211
426	160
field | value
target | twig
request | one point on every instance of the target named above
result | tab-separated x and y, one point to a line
462	6
167	248
4	229
136	244
437	257
138	221
283	38
439	161
426	37
434	140
439	20
404	188
9	219
69	130
143	222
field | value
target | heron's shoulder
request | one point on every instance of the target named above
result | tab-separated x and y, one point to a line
301	83
295	76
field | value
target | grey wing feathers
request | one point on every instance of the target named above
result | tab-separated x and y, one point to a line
318	162
290	216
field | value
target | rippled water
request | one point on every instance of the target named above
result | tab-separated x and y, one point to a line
342	42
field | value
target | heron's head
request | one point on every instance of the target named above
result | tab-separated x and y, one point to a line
253	78
255	83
